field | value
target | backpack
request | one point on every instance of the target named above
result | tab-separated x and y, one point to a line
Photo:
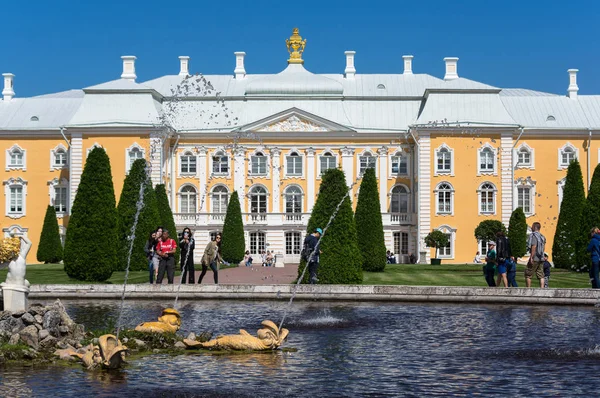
503	248
540	246
305	253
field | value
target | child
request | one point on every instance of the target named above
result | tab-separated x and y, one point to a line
490	267
547	266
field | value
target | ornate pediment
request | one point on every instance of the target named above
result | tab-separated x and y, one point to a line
294	120
293	123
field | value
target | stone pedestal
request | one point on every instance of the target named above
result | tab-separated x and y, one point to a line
279	260
15	297
423	257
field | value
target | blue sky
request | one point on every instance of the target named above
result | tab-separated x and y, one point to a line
60	45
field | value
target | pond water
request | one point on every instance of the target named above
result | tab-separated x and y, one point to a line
348	350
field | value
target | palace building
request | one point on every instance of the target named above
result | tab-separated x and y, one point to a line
448	152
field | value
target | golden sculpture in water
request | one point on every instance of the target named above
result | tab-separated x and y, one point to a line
295	46
269	338
108	354
169	322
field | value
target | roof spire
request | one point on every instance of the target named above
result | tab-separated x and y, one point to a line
295	46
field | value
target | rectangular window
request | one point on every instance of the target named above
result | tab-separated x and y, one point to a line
16	158
446	251
16	200
257	242
60	199
486	160
367	162
327	162
294	165
524	158
483	246
444	202
487	202
401	243
399	165
524	199
292	243
188	164
444	164
60	158
220	165
259	165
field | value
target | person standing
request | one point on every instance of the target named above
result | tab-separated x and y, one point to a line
546	267
511	272
149	250
156	257
311	248
477	260
503	253
490	265
166	249
536	245
248	259
211	258
187	245
594	249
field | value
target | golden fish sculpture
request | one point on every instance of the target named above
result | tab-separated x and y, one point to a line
268	338
169	322
108	354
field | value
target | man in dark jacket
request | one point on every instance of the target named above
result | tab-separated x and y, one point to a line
594	249
312	243
503	253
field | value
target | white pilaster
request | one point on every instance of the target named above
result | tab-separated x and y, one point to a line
424	191
506	166
383	157
348	164
75	165
155	157
239	171
202	178
276	176
310	179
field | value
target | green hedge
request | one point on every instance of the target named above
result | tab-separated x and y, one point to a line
50	249
234	245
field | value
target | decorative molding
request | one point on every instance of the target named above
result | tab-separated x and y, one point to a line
399	152
9	152
302	164
531	151
53	152
8	184
133	146
452	232
494	190
383	151
58	183
15	230
526	182
292	124
437	171
191	153
487	146
96	145
561	165
346	151
437	191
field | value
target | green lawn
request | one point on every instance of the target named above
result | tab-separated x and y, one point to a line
461	275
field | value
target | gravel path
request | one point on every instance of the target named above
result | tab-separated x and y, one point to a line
255	275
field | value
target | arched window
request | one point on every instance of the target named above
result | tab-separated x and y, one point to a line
15	157
258	199
444	201
258	164
60	158
327	161
293	200
443	163
220	165
294	164
367	161
134	154
188	195
188	163
220	199
399	199
487	160
399	164
487	198
524	157
567	155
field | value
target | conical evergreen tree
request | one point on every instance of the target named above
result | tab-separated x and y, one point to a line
517	233
590	217
91	246
166	219
234	245
340	262
147	221
50	249
566	246
369	223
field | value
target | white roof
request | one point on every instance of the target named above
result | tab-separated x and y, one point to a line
472	108
546	111
51	113
113	110
591	107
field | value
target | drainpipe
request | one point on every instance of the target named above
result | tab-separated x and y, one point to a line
588	159
513	165
172	160
418	194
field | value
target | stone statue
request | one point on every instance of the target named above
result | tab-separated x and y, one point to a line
269	338
15	290
17	267
108	354
169	322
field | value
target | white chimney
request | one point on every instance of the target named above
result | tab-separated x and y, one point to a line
350	70
407	64
240	71
573	88
451	68
8	91
184	65
128	67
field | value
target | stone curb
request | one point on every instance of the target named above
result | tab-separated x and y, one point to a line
323	292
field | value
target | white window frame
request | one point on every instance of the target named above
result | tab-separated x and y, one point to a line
257	236
187	153
285	198
561	165
482	246
302	166
529	149
213	198
408	199
367	153
452	232
250	194
15	230
128	163
53	152
11	183
267	157
220	152
96	145
494	198
334	155
9	152
59	183
291	243
437	191
406	155
531	185
437	171
180	195
487	148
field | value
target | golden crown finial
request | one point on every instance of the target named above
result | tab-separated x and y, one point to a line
295	46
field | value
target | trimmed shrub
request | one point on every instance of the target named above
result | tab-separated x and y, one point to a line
487	229
590	217
147	220
340	262
436	239
234	245
50	249
91	245
369	223
565	249
517	233
165	213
